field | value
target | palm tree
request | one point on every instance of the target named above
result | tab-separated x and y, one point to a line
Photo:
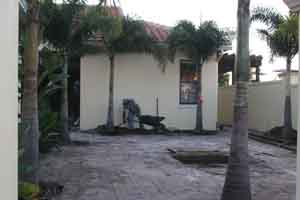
30	141
281	36
237	183
64	34
34	26
120	35
198	44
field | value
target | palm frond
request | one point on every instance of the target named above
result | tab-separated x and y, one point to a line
160	53
181	38
268	16
282	38
196	43
134	37
264	34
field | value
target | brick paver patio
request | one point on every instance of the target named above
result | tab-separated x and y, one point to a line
140	168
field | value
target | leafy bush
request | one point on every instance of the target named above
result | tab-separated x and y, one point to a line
50	84
49	136
28	191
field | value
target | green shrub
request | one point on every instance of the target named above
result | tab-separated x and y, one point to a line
49	126
28	191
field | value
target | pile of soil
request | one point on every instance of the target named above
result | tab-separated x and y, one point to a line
126	131
200	157
140	131
277	132
49	190
194	132
208	158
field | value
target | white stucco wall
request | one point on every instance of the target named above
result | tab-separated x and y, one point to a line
137	76
294	78
266	105
8	90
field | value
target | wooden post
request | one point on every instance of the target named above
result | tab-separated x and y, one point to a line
157	114
257	72
9	98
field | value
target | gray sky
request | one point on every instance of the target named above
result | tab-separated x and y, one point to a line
168	12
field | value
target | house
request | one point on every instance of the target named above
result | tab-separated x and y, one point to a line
138	77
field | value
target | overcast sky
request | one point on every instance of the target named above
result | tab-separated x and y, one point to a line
169	12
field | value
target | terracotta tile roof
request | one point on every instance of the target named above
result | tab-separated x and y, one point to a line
116	11
157	31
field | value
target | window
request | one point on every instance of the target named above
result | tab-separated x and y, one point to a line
188	82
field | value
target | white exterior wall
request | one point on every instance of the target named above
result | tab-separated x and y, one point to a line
9	103
266	105
294	78
138	76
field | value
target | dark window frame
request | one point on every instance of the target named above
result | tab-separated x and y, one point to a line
191	82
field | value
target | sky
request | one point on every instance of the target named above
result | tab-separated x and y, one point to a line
169	12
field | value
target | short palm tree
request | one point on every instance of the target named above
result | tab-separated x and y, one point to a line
120	34
198	44
281	36
237	183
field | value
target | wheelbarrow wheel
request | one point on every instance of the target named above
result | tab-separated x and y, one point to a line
162	127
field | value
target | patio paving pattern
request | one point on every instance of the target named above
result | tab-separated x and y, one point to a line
139	167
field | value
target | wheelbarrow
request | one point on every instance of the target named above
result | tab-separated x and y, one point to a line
154	121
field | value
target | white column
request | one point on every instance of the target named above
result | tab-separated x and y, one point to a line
298	146
8	98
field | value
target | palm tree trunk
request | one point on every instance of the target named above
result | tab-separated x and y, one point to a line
199	114
30	139
237	183
287	102
110	114
65	103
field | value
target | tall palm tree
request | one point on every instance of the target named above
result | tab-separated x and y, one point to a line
237	183
198	44
120	35
30	141
281	36
38	14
